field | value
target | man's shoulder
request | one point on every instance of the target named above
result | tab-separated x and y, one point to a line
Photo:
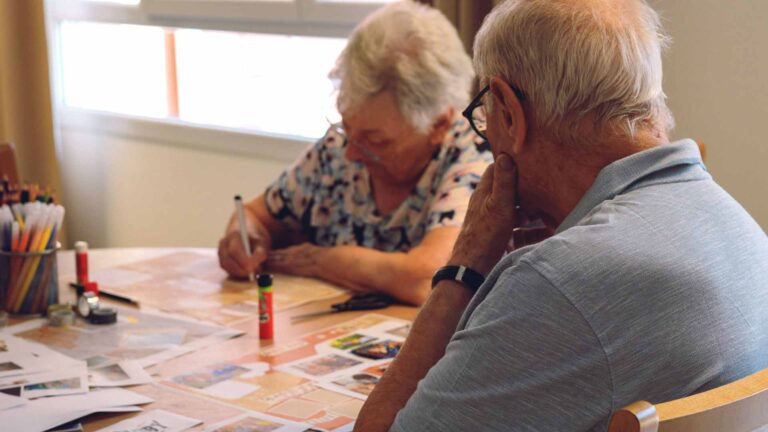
651	236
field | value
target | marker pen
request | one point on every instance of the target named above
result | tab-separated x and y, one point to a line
81	262
266	318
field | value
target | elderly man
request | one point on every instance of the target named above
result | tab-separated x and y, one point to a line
655	284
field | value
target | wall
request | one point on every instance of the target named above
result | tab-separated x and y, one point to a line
716	78
122	192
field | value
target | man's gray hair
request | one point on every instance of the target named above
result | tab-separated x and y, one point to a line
412	50
597	59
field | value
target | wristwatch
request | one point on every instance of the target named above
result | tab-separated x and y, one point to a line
470	278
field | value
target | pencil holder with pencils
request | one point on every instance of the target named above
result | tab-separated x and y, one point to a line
28	243
29	281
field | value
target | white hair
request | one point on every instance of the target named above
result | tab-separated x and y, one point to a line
412	50
572	60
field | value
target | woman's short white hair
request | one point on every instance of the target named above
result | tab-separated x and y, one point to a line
572	60
412	50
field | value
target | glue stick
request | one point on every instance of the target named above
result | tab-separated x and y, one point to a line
81	262
266	319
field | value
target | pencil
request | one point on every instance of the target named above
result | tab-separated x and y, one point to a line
243	230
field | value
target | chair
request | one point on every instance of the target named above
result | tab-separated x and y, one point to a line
702	150
8	162
740	406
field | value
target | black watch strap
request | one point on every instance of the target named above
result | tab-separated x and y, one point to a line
470	278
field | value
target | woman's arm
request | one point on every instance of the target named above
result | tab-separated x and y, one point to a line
403	275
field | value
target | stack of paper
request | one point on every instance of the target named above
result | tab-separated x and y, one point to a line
30	370
41	388
48	412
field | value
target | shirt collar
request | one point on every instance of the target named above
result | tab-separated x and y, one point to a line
623	173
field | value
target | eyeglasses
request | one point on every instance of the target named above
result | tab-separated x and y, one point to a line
476	113
339	129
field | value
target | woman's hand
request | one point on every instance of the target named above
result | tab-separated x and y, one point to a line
304	259
234	260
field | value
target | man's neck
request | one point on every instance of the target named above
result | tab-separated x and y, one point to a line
574	173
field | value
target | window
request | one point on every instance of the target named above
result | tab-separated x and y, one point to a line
114	67
270	83
259	66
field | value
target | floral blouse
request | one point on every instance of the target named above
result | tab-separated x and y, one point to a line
328	197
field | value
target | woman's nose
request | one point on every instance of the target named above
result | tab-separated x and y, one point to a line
353	152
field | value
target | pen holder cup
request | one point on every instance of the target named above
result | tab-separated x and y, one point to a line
29	281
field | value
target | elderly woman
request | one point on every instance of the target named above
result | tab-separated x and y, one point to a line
377	203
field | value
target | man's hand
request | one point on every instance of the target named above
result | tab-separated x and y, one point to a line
300	260
235	261
490	218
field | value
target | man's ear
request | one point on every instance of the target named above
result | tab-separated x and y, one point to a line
511	114
440	127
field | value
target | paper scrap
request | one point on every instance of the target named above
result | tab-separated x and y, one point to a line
258	422
121	374
257	369
231	390
155	420
63	381
8	401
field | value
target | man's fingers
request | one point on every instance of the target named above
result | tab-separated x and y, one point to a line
528	236
486	182
504	179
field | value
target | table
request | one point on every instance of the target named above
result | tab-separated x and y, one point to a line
193	406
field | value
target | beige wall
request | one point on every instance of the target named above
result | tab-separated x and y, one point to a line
123	192
716	77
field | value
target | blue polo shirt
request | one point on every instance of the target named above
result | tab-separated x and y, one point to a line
653	288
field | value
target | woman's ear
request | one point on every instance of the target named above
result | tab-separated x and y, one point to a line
509	109
440	127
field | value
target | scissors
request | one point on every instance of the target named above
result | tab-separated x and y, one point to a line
356	303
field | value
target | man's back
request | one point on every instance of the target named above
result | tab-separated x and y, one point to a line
655	287
679	301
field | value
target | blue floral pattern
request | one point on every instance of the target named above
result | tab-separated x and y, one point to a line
328	197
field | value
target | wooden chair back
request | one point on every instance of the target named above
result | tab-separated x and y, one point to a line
741	406
8	162
702	150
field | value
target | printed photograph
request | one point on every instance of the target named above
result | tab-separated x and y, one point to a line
379	350
401	331
351	341
65	384
377	370
250	424
326	365
362	383
209	376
